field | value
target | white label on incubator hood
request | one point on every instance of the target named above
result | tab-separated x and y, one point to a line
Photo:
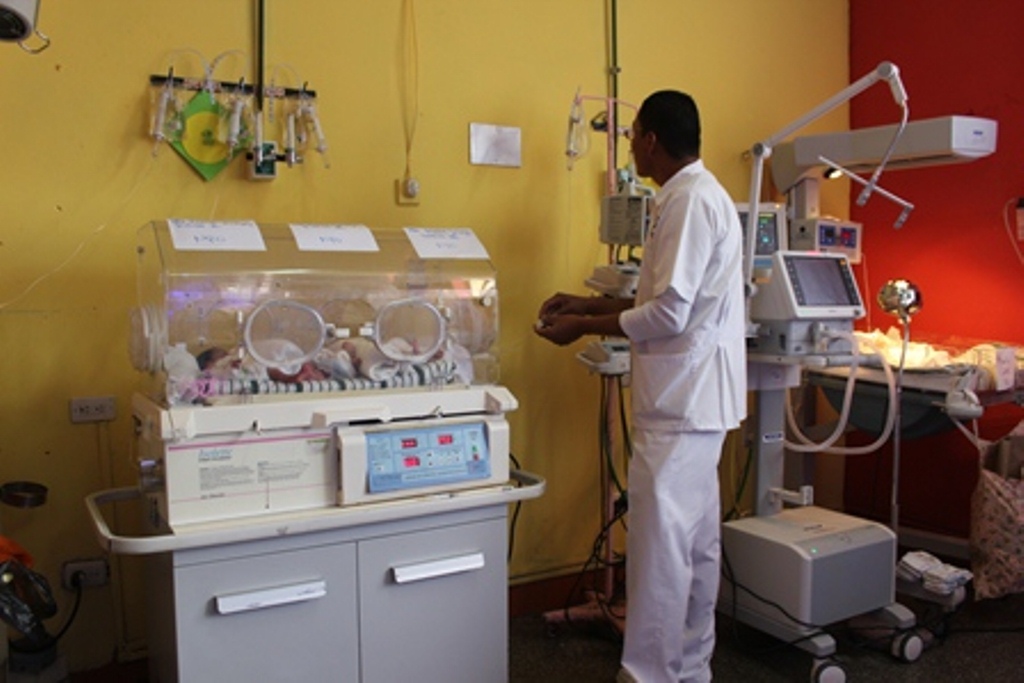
446	243
333	237
188	235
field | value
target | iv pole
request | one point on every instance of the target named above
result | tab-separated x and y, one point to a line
598	606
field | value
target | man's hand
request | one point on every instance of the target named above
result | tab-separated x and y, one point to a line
561	329
561	304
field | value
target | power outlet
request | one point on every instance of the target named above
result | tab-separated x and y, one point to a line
85	573
93	409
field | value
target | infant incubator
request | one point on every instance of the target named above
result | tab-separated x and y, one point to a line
302	366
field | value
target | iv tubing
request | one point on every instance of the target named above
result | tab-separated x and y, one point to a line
410	103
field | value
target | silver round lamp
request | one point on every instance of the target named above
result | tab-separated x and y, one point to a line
900	298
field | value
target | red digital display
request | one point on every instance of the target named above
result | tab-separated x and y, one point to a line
410	443
444	439
411	461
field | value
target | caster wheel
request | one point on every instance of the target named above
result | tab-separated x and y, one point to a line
827	671
907	646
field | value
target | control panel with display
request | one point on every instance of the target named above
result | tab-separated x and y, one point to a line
421	457
413	458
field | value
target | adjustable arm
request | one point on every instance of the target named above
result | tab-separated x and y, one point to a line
886	71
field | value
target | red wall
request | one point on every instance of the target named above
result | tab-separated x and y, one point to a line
955	57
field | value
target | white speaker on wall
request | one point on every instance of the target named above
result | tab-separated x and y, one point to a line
18	22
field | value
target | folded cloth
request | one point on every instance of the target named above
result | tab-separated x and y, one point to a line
945	579
935	575
913	565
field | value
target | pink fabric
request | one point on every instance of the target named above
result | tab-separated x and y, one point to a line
997	535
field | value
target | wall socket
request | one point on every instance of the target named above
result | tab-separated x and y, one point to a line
93	409
90	573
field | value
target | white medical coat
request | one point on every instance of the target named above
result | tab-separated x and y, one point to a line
693	379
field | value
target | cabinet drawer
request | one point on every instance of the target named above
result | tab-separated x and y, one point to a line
434	605
282	616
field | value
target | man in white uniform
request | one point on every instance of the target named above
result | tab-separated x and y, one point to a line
687	334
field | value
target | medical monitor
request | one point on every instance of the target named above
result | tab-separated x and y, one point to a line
808	286
771	236
823	233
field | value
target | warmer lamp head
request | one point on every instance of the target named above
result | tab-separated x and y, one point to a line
900	298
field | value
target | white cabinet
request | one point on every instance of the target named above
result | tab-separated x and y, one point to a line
419	599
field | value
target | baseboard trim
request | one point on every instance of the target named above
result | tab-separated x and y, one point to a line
552	593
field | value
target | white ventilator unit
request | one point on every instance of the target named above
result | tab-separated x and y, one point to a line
807	307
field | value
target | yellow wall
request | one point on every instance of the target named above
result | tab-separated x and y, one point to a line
77	179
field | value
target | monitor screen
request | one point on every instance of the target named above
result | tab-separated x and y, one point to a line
821	282
808	285
771	228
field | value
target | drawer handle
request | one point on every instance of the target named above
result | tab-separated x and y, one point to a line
437	568
270	597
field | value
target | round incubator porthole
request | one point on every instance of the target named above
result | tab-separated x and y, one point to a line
284	334
148	337
409	330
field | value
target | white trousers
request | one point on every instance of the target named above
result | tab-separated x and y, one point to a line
672	557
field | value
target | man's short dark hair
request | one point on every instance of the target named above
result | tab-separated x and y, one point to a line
673	118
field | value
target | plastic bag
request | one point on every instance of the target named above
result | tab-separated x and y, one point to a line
25	600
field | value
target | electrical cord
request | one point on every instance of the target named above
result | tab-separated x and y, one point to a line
1009	230
515	518
594	561
734	511
627	442
605	436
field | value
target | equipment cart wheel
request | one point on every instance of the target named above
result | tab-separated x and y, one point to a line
827	671
907	646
